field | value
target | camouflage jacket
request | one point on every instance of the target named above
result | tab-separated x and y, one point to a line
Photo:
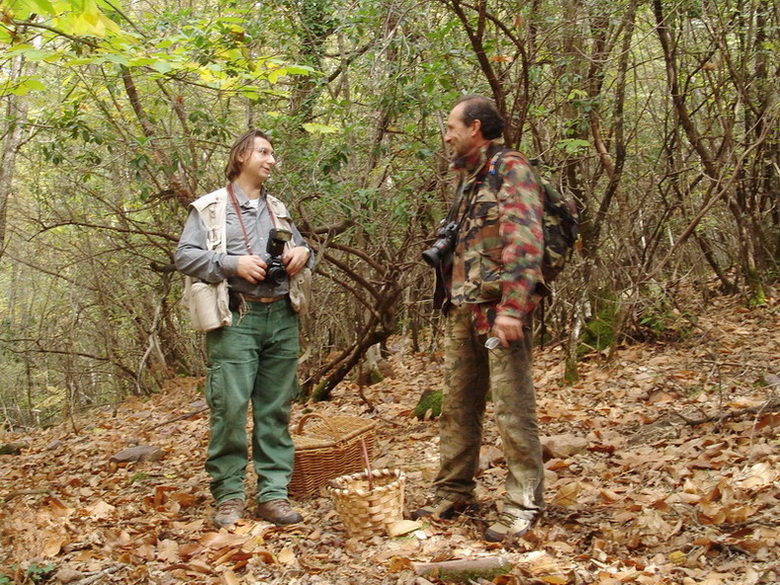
498	254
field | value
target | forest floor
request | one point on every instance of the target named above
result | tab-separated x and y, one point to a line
661	467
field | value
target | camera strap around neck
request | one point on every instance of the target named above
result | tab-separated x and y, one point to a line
459	201
237	208
456	203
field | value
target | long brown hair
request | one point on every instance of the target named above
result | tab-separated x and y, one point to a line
242	143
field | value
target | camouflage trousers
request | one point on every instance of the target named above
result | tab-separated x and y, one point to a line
471	372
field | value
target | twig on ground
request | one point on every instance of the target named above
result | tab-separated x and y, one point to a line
388	421
13	495
769	406
99	575
178	418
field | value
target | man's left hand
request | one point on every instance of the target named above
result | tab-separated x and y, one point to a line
295	259
508	329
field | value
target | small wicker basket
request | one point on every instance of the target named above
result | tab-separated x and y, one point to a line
327	447
368	507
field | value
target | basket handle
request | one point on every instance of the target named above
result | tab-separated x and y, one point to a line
367	461
311	415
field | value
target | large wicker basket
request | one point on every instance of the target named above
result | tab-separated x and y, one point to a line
368	508
327	447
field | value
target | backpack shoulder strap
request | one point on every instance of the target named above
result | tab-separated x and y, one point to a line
495	179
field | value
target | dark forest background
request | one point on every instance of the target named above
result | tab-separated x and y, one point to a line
659	117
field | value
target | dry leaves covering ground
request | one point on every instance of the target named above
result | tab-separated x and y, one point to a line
662	467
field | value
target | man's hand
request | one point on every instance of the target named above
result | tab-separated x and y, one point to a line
294	259
251	268
508	329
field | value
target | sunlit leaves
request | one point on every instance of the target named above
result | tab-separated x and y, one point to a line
25	86
320	128
75	17
573	146
22	9
73	33
86	19
31	53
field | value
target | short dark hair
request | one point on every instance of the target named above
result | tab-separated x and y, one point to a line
242	143
483	109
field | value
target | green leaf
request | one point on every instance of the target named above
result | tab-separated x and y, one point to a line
300	70
118	59
320	129
23	8
35	83
25	86
81	61
250	92
274	75
573	146
30	53
162	67
141	62
577	94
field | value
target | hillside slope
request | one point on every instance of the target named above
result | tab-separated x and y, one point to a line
662	467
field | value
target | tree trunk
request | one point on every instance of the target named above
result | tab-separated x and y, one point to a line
16	117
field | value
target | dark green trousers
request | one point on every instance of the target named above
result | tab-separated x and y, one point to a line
254	360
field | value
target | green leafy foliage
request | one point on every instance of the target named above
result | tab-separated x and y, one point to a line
214	51
39	573
429	405
128	123
667	323
600	329
33	574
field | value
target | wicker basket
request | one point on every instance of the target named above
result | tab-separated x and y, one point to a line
367	510
327	447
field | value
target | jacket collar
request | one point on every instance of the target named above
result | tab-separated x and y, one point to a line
475	165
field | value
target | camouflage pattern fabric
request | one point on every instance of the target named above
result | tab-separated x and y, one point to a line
470	372
560	223
498	255
496	266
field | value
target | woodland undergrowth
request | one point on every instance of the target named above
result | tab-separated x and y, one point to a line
661	467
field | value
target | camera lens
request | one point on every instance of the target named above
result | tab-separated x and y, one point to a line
275	273
435	253
432	257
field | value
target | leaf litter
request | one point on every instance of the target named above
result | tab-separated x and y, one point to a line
661	467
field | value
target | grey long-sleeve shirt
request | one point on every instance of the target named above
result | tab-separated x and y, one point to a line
194	259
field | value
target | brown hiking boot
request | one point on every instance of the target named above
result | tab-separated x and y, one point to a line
229	512
445	507
278	512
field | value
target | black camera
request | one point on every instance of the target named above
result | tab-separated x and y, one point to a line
277	239
448	235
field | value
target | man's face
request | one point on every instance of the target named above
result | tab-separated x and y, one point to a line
461	139
258	161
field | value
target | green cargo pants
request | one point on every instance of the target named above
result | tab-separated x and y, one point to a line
255	359
470	371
